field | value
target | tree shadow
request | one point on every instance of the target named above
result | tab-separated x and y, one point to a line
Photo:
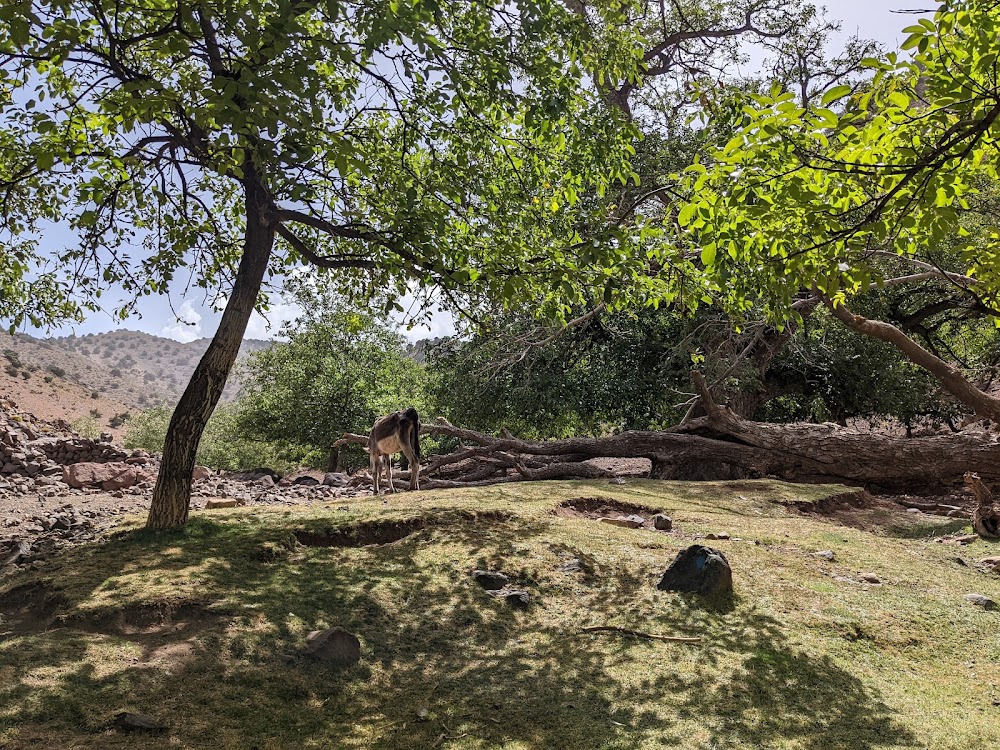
441	657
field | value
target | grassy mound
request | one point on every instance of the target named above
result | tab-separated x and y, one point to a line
203	629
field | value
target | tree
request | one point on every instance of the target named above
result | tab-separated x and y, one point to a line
339	371
396	143
832	199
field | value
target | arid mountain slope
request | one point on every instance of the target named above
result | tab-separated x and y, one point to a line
106	374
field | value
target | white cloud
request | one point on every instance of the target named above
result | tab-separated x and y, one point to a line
187	325
278	313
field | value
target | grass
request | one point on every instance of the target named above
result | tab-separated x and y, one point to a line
798	660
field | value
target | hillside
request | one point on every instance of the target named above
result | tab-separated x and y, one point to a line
850	637
104	374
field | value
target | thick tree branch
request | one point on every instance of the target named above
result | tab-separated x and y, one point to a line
950	377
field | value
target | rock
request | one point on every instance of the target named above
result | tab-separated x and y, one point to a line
981	601
663	522
617	481
700	570
991	562
335	479
914	510
514	597
573	565
967	539
20	552
265	481
723	536
869	578
130	722
201	472
629	522
334	645
114	475
210	504
826	554
490	580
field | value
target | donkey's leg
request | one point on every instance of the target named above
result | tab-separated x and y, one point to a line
376	467
388	473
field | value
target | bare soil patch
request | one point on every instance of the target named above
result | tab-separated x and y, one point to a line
153	618
602	507
28	607
360	534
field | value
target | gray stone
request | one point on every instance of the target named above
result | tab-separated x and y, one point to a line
573	565
490	580
700	570
334	645
981	601
514	597
826	554
869	578
130	722
663	522
629	522
335	479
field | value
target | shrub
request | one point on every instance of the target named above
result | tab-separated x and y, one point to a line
87	427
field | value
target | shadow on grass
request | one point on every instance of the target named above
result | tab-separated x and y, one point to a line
443	660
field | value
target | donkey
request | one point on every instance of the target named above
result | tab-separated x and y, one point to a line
399	431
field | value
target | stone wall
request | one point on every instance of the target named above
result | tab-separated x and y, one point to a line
31	446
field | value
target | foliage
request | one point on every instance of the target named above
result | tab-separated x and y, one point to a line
87	426
447	143
618	371
223	446
339	371
827	373
812	197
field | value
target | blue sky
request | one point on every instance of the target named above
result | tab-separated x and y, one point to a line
186	318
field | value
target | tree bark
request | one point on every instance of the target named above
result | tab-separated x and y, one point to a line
949	376
172	495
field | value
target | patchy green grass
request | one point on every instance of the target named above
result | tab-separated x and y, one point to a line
201	630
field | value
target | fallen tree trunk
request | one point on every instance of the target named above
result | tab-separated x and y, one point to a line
721	445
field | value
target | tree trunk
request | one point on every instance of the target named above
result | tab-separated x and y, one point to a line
172	495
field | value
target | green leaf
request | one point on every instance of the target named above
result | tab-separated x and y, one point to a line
837	92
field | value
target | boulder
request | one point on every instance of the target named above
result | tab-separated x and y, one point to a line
110	476
700	570
662	522
201	472
334	645
981	601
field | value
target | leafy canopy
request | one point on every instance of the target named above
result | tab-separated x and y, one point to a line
816	197
429	142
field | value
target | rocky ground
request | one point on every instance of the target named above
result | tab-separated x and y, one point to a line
40	515
58	489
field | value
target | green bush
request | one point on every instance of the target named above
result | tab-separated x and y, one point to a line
87	427
222	446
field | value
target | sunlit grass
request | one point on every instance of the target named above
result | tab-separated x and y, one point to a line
799	660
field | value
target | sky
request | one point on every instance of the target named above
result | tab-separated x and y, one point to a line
186	318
